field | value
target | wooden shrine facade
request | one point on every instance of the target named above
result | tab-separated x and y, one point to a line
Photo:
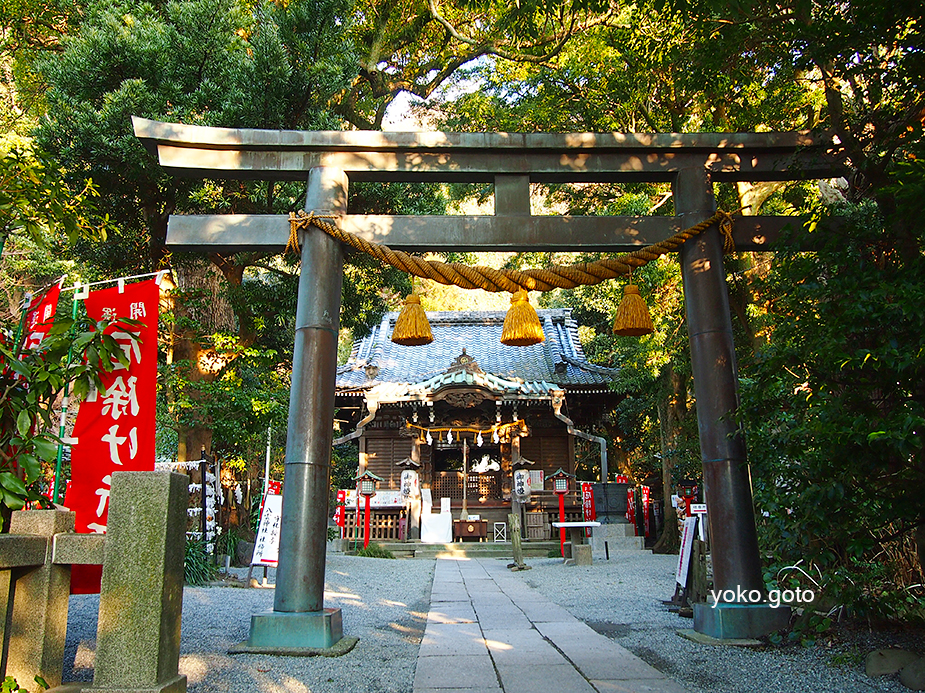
501	406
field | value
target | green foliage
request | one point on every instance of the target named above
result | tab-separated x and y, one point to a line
227	541
646	72
220	63
10	685
345	460
374	550
835	410
30	383
198	566
36	200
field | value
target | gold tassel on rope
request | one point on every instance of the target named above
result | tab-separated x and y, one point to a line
521	324
633	319
411	327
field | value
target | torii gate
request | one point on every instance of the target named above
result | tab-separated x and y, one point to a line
328	160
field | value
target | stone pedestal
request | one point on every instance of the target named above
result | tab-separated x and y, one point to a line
619	537
141	598
293	633
38	619
580	555
739	621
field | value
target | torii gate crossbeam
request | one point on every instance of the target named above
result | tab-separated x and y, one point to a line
329	160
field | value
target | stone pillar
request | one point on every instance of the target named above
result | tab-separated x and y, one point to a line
298	619
141	596
36	621
727	481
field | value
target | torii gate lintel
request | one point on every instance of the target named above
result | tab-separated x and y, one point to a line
329	159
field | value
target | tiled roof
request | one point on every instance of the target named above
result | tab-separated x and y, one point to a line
393	392
557	361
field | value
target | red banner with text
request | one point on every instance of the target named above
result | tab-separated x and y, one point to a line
114	430
587	505
40	316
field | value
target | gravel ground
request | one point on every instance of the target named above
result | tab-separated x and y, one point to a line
385	604
622	598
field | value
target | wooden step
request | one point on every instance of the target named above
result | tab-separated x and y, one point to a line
468	549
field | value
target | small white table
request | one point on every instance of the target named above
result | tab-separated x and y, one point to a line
580	553
576	530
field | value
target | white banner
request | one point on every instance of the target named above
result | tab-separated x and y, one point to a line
382	499
687	546
266	548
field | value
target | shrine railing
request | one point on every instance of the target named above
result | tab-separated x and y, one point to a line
384	525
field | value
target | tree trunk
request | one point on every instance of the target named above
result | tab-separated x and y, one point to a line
200	300
671	412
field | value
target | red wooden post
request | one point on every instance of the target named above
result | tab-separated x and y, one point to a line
560	486
366	525
561	519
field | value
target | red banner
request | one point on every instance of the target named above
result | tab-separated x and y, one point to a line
340	518
115	426
587	505
40	316
631	508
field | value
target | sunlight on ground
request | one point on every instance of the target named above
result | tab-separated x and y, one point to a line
341	595
404	629
389	602
497	646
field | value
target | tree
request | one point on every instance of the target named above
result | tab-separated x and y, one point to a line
422	46
223	63
835	407
35	198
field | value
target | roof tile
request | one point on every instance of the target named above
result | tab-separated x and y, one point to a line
479	333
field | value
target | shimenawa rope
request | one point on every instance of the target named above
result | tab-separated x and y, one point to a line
490	279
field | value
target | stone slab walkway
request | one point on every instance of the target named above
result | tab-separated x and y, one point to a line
489	631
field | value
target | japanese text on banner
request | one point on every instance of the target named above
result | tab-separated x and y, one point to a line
115	426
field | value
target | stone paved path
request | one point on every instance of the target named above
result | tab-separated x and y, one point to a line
489	631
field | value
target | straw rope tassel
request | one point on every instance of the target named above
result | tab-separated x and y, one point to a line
521	324
633	319
411	327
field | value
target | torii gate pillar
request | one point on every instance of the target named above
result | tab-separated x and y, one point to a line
726	477
299	619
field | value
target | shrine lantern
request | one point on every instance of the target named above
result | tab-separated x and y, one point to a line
560	484
560	481
366	486
687	489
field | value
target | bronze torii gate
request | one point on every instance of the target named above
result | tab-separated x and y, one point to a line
690	162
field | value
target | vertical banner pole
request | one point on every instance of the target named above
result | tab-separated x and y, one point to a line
561	519
366	524
266	465
203	470
56	489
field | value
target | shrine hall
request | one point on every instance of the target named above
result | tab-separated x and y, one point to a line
464	413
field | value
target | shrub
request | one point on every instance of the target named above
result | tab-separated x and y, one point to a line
375	551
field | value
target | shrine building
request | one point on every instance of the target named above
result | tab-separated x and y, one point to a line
468	407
